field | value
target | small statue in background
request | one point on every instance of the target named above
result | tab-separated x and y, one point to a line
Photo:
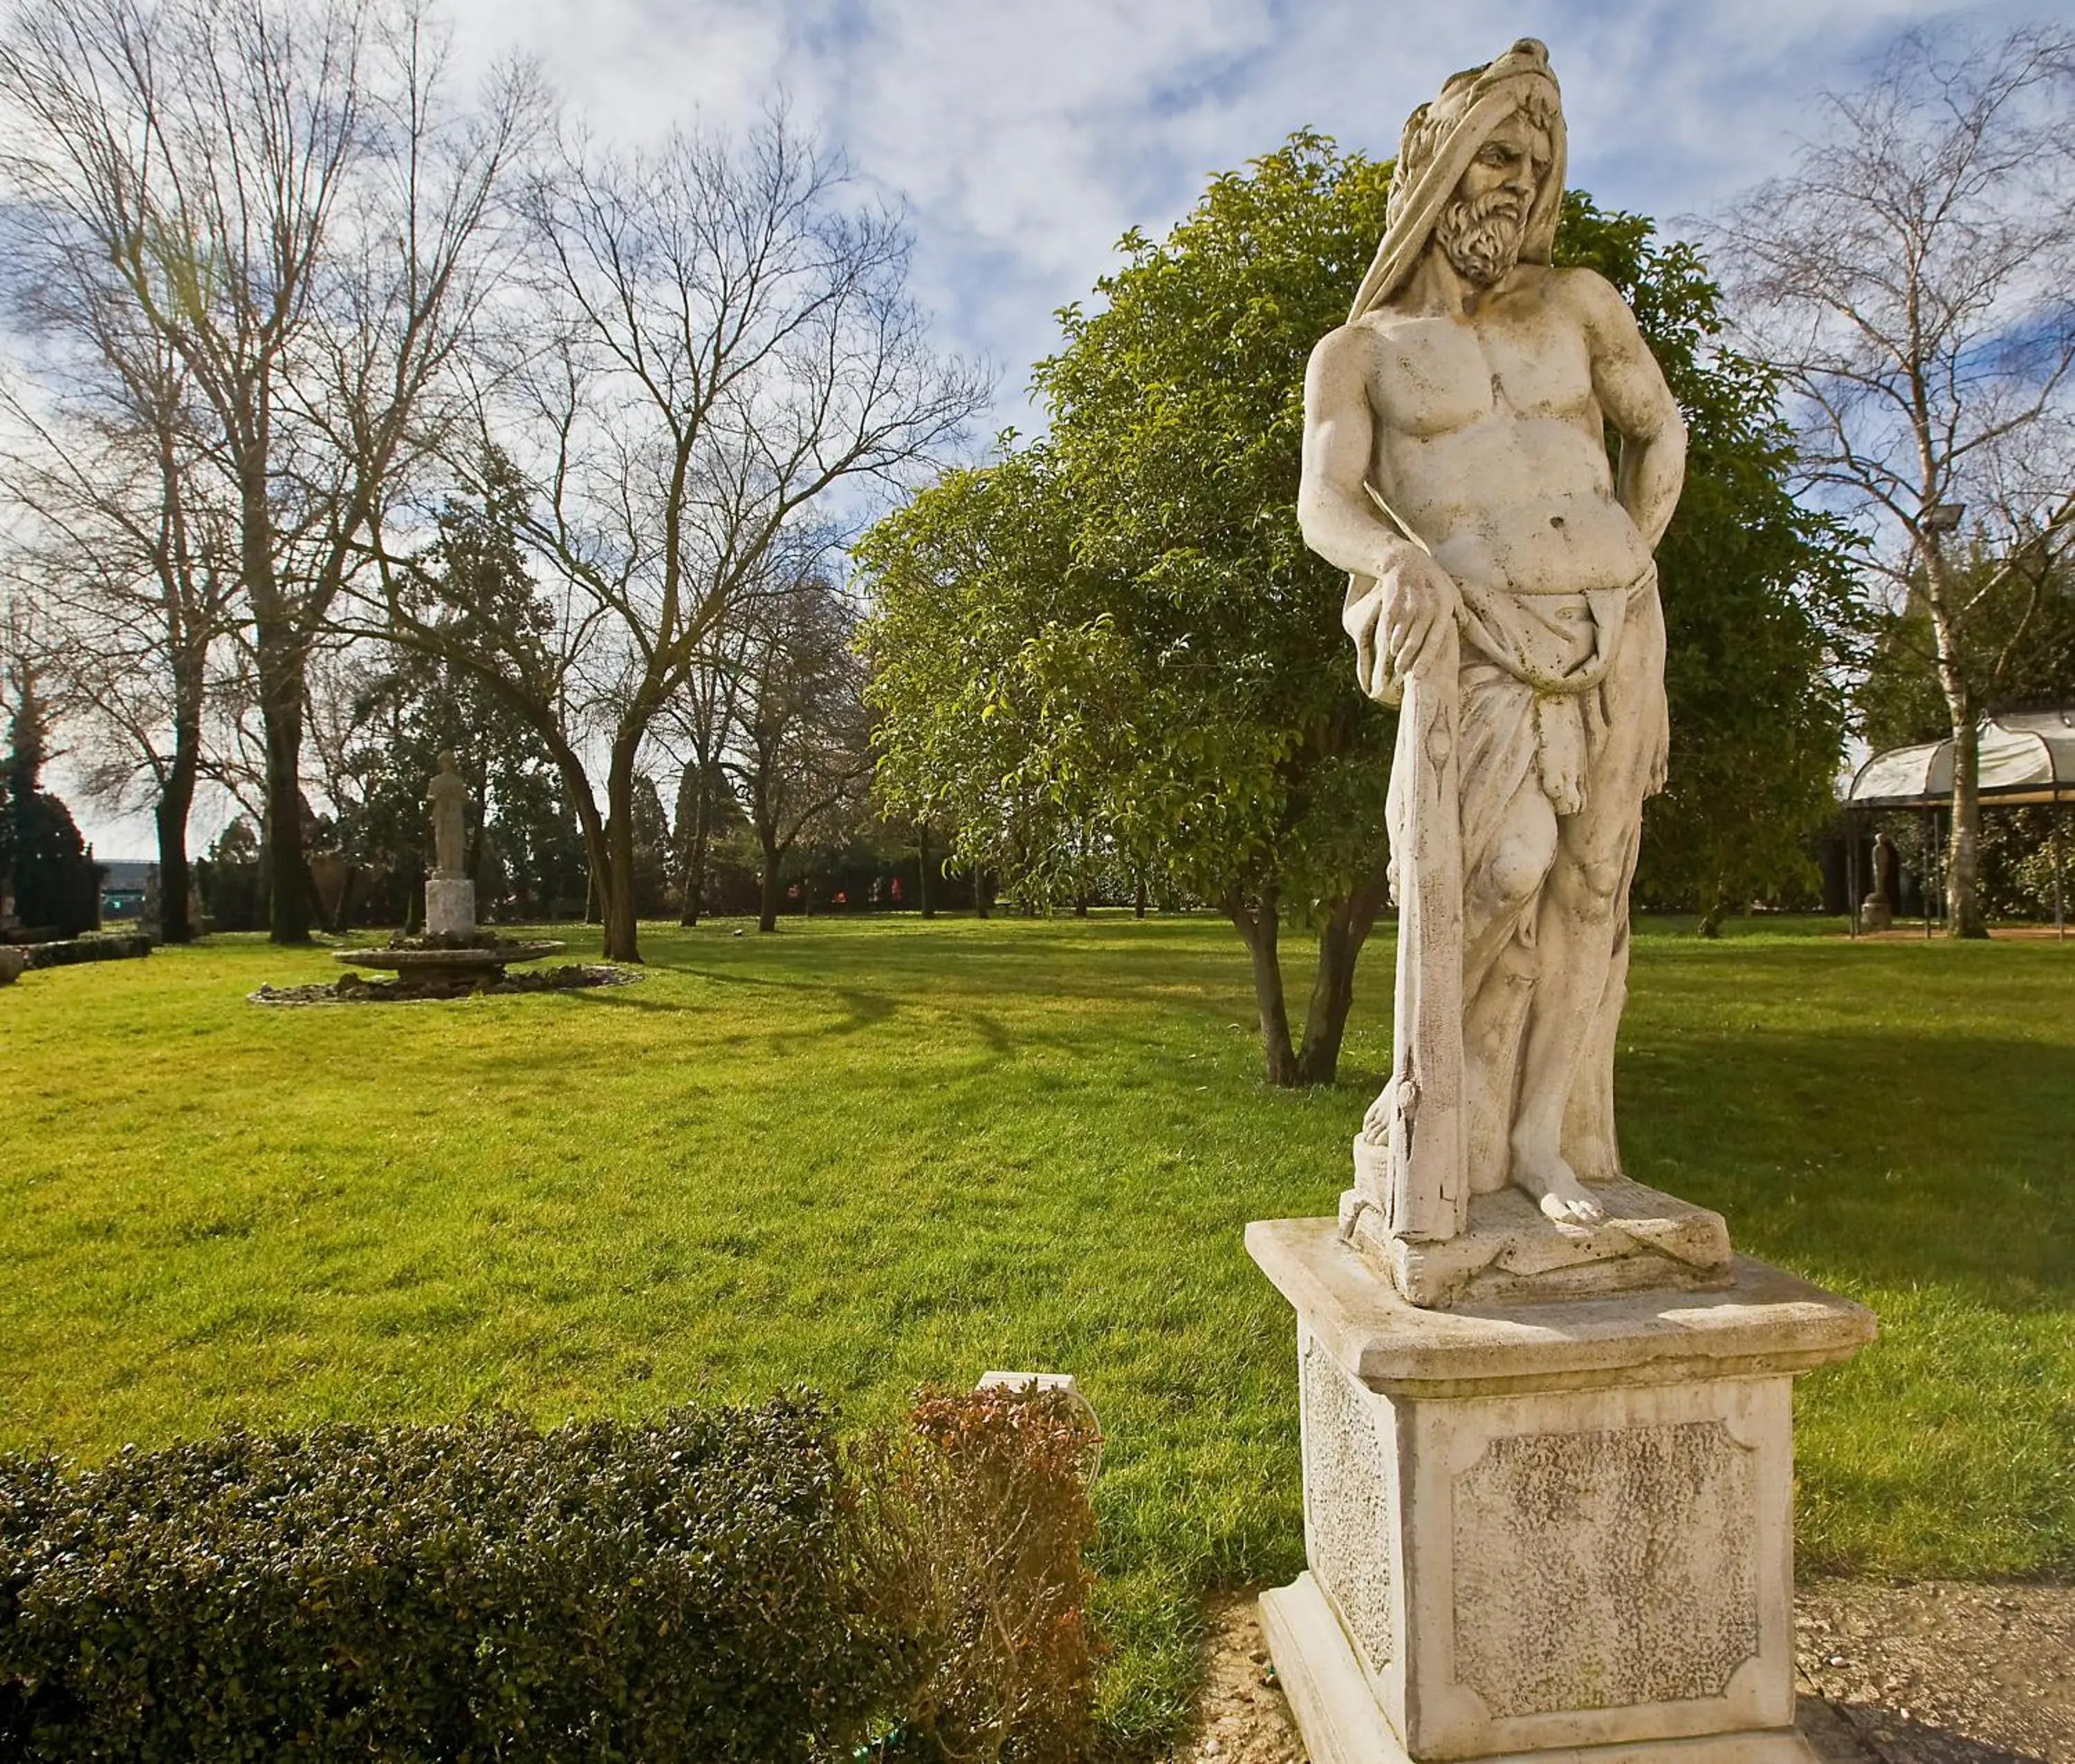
1877	911
447	796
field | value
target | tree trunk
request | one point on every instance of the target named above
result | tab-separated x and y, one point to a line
767	908
1711	921
176	802
924	898
695	857
598	857
1963	857
1138	900
1340	941
281	718
1258	927
616	886
1963	907
982	901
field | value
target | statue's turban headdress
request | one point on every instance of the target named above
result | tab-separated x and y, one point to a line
1442	138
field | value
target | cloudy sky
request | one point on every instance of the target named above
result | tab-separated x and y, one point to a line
1025	136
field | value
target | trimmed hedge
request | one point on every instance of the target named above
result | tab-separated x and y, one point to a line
101	947
682	1589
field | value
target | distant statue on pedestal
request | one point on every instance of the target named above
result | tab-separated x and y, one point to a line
449	895
1877	911
447	796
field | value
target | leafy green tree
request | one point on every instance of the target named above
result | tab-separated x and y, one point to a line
1162	658
1757	590
1118	631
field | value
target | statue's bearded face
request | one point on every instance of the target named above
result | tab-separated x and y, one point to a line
1481	228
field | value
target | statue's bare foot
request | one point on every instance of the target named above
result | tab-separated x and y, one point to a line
1563	1198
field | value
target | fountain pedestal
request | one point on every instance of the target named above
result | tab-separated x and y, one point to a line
449	906
444	969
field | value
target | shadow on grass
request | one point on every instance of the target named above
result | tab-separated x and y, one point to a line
1891	1157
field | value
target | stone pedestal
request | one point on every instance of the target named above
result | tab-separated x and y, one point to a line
449	906
1557	1530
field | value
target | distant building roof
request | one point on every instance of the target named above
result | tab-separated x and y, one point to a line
125	874
2025	757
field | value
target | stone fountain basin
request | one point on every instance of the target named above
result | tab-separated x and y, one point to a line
455	961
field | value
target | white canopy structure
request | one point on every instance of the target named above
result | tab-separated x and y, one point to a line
2026	757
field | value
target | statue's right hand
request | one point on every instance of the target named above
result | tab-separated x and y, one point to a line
1419	602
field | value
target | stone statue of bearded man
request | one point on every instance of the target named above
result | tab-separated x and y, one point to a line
1501	586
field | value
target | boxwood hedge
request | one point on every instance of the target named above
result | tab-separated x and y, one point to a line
678	1589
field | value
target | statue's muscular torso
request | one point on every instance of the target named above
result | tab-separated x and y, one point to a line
1489	437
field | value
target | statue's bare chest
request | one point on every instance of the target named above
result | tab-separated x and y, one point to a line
1434	376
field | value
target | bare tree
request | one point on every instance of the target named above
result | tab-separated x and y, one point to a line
1909	280
720	341
801	757
124	532
283	193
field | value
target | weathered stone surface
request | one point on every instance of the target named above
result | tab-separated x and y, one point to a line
1606	1568
1764	1321
1330	1701
14	964
491	957
1577	1538
447	797
1502	590
450	907
1349	1502
1511	1249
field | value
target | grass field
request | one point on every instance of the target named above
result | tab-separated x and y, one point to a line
867	1156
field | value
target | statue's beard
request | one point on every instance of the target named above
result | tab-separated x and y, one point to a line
1481	236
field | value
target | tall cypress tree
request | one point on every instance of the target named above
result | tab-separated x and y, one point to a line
55	882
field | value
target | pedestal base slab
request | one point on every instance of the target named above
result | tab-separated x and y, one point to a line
1342	1723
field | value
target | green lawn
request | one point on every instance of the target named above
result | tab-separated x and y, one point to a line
870	1155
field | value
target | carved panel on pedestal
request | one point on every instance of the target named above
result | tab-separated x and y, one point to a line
1600	1570
1346	1502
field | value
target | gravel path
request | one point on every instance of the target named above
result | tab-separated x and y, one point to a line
1936	1673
